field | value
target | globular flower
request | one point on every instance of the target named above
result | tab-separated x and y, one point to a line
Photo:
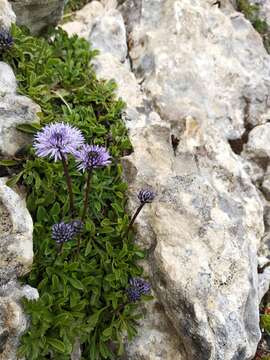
63	232
138	287
92	156
57	140
146	196
6	40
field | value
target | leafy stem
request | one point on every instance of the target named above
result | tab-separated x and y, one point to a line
134	218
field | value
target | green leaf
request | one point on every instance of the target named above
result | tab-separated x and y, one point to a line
42	214
8	163
88	248
14	180
55	210
76	283
56	344
29	128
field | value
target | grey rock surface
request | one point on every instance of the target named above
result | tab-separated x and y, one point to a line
7	16
14	110
13	321
108	34
37	15
16	256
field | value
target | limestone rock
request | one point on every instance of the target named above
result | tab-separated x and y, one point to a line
16	229
7	16
258	145
84	20
109	34
37	15
13	322
14	110
156	339
16	256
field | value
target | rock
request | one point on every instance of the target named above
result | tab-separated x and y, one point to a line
109	35
7	16
8	82
84	20
16	228
258	145
266	186
37	15
14	110
13	321
157	339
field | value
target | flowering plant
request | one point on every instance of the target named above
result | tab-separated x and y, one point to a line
86	261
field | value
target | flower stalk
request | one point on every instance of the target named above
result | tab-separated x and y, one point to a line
87	192
69	185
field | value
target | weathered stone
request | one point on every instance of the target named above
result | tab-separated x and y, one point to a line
109	35
157	339
37	15
7	16
13	321
16	256
14	110
16	229
84	19
258	145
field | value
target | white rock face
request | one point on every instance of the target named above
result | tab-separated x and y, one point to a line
37	15
7	16
16	234
109	35
258	145
13	320
14	110
16	256
84	19
200	79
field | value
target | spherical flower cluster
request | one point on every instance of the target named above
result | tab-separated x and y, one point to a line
6	40
57	140
138	287
63	232
146	196
92	156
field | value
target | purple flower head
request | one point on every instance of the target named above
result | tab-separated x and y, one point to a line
146	196
63	232
92	156
57	139
138	287
6	40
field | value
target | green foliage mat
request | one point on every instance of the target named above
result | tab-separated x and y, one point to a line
81	297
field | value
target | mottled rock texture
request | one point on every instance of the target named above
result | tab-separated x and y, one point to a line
7	16
37	15
14	110
16	256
